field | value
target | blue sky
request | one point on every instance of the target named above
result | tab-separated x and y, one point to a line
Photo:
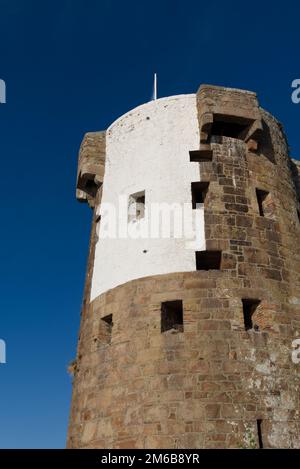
72	67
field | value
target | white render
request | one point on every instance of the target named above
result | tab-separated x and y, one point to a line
147	149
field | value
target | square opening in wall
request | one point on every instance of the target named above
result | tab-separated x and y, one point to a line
207	260
230	126
136	206
172	316
265	203
199	191
249	308
106	328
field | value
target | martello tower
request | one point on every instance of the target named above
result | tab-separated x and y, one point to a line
191	347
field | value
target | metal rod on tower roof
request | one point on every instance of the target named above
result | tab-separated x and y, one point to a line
155	87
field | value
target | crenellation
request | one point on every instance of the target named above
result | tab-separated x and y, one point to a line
91	163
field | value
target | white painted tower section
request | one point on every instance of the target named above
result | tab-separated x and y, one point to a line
147	149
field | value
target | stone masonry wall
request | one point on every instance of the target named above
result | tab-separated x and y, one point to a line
210	385
204	387
296	175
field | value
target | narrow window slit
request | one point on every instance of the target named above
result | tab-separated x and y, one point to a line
265	203
249	308
259	433
199	191
106	328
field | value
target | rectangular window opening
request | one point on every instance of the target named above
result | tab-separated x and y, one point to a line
172	316
230	126
106	331
136	206
259	433
208	260
199	191
265	204
249	308
261	197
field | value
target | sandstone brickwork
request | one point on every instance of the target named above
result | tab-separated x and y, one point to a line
91	163
213	383
296	176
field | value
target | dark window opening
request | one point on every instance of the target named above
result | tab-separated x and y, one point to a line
91	187
172	316
298	213
199	156
230	126
259	433
108	320
249	308
207	260
265	203
199	191
261	197
140	206
136	208
106	329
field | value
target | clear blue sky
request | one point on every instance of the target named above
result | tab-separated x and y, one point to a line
72	67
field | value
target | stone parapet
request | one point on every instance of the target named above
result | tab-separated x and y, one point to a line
91	163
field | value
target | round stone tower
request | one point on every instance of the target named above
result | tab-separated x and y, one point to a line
189	338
